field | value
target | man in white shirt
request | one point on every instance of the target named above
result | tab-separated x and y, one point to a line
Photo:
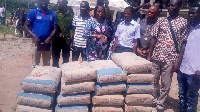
189	74
2	14
127	33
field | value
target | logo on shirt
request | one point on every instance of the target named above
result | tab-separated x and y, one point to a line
39	17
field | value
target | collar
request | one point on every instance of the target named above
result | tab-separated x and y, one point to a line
80	17
132	22
39	9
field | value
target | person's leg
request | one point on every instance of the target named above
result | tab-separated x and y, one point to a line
75	54
156	72
3	21
166	79
192	94
46	56
37	57
83	53
183	87
65	53
55	54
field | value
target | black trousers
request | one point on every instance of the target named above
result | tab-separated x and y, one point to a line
59	44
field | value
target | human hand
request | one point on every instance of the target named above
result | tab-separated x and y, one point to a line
61	35
71	49
37	40
140	52
175	66
197	75
47	41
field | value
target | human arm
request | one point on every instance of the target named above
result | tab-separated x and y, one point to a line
151	47
115	44
178	62
135	46
48	40
28	30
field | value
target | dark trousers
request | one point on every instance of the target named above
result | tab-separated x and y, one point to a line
77	51
2	20
188	92
57	46
123	49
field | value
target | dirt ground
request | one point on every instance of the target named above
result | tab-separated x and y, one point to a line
15	65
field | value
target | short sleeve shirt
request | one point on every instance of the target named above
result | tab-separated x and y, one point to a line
165	50
191	61
145	33
127	33
42	24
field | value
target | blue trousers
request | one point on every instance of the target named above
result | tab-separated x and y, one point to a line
188	92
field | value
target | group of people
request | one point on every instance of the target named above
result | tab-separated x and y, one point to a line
2	15
170	43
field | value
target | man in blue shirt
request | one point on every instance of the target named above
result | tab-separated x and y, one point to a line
127	33
43	24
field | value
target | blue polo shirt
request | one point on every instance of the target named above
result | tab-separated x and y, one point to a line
42	23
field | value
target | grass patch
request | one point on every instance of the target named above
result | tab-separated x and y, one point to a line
7	30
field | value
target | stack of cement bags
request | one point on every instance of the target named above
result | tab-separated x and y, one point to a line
109	86
139	87
77	81
39	90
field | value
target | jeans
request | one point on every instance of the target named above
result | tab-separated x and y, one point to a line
77	51
188	92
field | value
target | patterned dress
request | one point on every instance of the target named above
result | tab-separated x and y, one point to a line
95	48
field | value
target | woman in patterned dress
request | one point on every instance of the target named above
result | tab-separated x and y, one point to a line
95	31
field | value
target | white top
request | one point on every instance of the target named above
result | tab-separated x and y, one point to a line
191	57
127	33
79	24
2	12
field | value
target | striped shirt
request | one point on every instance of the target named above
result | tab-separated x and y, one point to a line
79	24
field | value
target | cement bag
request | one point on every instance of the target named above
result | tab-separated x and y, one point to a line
108	100
43	79
77	108
131	63
139	88
109	88
77	87
107	109
78	73
100	64
22	108
140	78
73	99
129	108
37	100
107	75
139	99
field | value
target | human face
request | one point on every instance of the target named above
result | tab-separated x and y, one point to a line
173	7
100	13
152	12
83	8
128	15
61	5
43	3
194	15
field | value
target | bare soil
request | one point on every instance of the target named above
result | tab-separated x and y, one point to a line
16	63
